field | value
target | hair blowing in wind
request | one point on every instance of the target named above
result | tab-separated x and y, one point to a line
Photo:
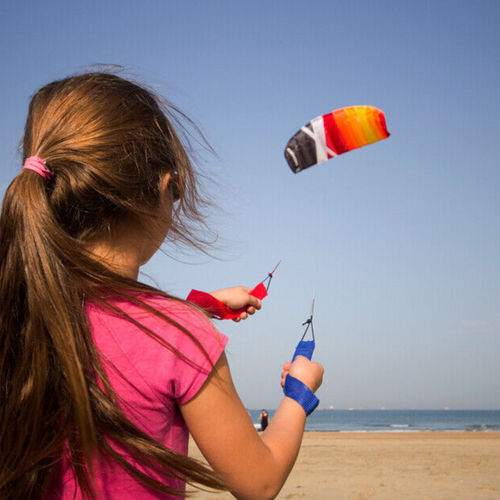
108	142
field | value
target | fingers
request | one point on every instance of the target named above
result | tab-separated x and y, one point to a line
244	315
254	302
284	373
283	378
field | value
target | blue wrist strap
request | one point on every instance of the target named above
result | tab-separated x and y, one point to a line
296	389
299	392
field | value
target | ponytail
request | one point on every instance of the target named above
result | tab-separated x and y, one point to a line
51	404
39	362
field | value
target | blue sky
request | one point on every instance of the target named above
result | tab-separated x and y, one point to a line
399	241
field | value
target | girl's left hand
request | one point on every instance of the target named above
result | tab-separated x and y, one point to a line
237	297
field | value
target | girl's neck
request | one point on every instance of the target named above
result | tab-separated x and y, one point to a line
130	247
121	261
124	253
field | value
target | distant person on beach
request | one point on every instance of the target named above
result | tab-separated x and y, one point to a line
264	420
103	377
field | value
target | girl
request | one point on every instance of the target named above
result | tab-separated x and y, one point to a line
101	375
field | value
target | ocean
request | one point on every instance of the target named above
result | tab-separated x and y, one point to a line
398	420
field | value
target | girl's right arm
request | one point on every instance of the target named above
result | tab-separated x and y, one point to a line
253	466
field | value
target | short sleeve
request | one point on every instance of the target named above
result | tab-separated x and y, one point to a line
193	371
198	351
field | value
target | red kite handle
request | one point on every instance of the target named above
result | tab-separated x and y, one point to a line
218	309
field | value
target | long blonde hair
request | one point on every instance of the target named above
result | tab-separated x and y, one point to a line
109	142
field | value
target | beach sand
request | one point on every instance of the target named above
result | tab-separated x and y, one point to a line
391	466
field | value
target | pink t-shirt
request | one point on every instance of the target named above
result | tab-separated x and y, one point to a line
152	380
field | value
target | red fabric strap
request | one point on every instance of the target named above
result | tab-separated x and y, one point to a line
218	309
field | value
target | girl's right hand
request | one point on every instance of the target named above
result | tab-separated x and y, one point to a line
308	372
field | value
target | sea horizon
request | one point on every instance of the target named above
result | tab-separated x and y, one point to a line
387	420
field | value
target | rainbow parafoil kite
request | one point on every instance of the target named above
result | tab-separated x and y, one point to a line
333	134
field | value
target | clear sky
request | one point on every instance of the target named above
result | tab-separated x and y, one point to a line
399	241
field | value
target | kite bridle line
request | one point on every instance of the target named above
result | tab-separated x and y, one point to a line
309	323
270	276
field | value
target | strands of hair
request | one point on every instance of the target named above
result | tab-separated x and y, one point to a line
109	141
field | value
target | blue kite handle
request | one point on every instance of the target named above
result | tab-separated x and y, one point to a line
304	348
296	389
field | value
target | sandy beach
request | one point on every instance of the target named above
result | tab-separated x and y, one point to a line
390	466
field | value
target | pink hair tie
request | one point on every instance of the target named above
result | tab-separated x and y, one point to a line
38	165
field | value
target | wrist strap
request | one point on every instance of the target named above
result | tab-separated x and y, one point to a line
298	391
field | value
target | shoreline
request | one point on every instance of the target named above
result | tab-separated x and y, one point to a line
436	465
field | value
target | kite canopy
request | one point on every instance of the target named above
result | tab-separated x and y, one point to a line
333	134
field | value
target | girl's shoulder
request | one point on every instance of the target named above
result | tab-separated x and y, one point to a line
176	321
147	307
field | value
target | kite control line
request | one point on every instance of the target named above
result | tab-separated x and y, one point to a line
294	388
218	309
